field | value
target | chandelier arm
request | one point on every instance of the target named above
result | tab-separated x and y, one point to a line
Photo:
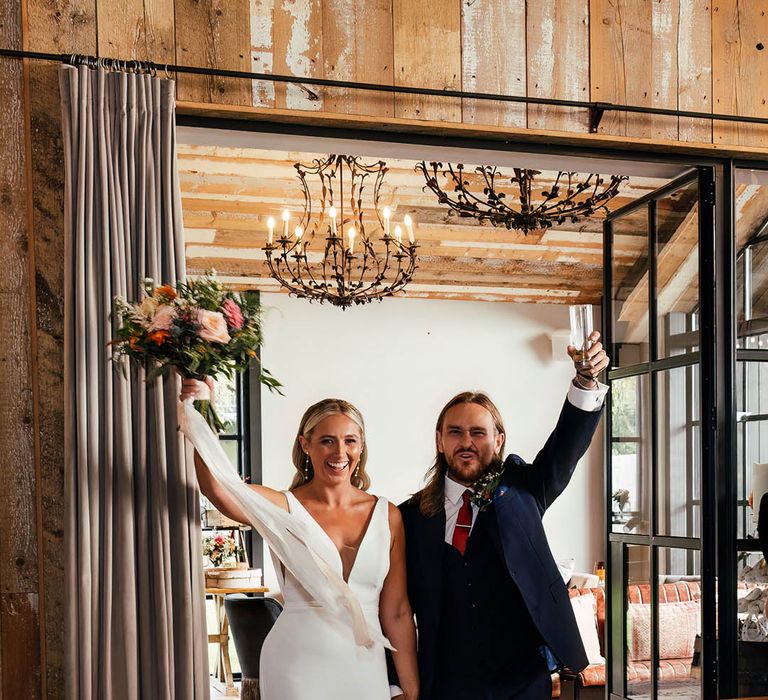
504	211
544	206
486	210
405	277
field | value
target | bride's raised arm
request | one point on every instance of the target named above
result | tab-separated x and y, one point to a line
209	486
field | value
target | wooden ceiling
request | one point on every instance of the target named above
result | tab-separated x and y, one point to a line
228	194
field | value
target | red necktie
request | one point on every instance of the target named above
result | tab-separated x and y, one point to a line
463	523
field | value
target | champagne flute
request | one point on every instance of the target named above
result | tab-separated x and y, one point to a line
581	329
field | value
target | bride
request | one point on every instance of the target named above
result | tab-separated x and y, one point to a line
310	653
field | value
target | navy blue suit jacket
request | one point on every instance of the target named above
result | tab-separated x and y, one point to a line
529	489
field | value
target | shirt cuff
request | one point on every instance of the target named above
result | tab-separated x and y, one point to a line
587	399
394	691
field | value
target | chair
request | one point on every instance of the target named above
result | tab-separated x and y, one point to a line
250	620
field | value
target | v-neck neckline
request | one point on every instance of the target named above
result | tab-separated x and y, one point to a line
333	544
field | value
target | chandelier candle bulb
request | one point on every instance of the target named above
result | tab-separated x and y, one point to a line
332	213
351	240
399	234
298	231
271	227
286	217
408	221
387	215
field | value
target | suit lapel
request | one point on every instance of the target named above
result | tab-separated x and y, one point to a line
431	540
487	519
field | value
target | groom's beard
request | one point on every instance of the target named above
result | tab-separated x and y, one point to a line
469	474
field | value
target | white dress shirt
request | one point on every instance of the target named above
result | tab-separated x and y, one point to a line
584	399
453	493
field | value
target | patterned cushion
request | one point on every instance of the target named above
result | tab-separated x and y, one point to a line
671	669
679	623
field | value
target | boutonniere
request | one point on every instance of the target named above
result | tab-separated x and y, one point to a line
484	489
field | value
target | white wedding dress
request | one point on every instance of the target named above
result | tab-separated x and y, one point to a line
327	644
312	655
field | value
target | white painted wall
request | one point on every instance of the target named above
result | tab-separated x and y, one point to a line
399	362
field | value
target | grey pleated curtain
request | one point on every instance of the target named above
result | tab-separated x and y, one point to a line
135	615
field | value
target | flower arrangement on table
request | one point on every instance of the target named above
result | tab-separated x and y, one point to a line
199	328
219	548
620	497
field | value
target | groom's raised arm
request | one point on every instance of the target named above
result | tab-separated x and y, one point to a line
549	474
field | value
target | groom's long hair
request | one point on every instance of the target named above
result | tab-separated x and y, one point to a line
431	499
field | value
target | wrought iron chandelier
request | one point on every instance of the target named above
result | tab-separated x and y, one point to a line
486	194
349	265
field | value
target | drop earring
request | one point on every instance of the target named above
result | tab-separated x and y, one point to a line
306	468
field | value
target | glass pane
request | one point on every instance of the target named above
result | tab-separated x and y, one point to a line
630	455
678	463
232	448
751	255
752	596
677	271
638	616
752	442
630	289
226	404
679	623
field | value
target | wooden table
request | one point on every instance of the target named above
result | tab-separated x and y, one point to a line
223	665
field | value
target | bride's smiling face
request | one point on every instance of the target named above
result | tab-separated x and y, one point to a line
334	448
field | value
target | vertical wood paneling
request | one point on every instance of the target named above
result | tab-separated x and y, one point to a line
213	34
19	551
262	18
694	52
136	29
493	60
19	630
558	62
62	27
665	27
358	45
608	61
740	69
298	50
633	59
427	54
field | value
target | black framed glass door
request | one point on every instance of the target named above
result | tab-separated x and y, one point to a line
660	460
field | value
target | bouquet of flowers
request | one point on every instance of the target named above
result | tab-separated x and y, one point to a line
218	548
199	328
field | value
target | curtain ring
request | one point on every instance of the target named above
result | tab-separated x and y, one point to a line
167	74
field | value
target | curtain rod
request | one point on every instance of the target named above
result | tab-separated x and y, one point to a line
596	109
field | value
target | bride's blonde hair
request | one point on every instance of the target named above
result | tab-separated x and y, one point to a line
314	415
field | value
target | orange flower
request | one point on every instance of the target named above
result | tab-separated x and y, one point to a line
167	291
159	337
134	343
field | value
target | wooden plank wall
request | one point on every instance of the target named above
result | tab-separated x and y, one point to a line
673	53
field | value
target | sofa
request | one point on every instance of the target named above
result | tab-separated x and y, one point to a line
679	622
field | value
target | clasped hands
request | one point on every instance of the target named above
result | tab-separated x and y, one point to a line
597	359
195	389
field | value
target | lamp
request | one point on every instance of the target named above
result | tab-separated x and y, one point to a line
569	198
348	265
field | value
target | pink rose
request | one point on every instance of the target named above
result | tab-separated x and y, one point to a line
213	327
232	313
163	318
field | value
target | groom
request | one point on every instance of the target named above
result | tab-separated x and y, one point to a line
493	614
